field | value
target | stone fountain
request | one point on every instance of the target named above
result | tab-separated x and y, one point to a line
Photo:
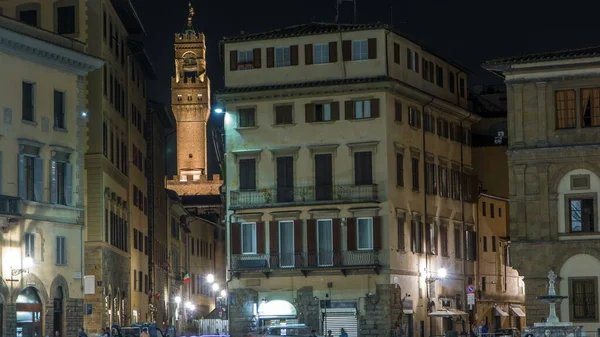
553	327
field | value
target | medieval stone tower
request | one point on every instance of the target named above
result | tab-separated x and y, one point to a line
190	101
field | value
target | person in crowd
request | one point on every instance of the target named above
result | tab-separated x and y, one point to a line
343	333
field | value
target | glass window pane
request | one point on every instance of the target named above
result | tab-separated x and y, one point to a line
365	233
325	242
248	238
327	112
286	243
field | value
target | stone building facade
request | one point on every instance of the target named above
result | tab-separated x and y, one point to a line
554	170
340	144
42	131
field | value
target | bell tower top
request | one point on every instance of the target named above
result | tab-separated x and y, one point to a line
190	26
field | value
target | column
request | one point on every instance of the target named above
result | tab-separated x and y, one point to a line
542	170
518	115
521	209
542	115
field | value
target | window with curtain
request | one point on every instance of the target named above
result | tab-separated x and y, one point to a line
325	242
590	107
565	109
365	233
286	244
249	238
581	214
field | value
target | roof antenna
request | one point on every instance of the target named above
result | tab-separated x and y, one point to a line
337	9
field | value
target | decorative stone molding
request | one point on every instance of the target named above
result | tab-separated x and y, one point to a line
364	211
324	213
247	154
415	152
286	215
323	149
399	147
291	151
362	146
247	217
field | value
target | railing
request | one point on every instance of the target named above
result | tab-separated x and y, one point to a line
10	205
329	194
312	260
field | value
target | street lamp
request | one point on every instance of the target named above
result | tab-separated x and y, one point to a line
210	278
215	287
223	293
441	275
27	263
219	110
178	299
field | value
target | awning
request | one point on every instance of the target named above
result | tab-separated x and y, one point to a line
517	311
447	312
500	312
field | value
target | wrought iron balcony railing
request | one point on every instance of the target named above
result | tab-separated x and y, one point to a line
10	206
306	260
329	194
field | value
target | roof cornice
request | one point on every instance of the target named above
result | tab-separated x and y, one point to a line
52	55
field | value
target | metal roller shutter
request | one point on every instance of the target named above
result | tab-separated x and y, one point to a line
335	321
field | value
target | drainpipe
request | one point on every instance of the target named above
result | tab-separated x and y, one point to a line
425	210
387	63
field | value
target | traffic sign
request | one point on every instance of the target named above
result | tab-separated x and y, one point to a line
471	299
471	289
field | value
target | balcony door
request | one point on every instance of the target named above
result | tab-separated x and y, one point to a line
325	242
323	176
285	179
286	244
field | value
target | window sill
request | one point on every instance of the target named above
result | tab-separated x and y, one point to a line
57	206
361	119
323	122
398	122
414	127
32	123
283	125
242	128
57	129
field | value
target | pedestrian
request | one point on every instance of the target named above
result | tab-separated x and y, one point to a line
398	331
473	330
343	333
56	333
82	333
313	333
145	333
329	333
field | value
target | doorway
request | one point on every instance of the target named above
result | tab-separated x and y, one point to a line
58	310
323	177
285	179
29	313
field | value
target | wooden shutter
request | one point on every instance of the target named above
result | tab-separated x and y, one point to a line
349	110
374	107
21	177
294	55
396	53
68	184
428	237
311	235
335	111
260	237
274	242
53	183
372	48
333	55
351	227
38	175
409	58
309	112
256	58
337	233
233	60
270	57
413	236
377	233
346	50
236	238
298	242
308	54
398	111
416	62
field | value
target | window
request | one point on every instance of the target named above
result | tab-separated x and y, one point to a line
66	20
485	248
442	128
581	215
484	208
396	53
583	294
29	17
363	168
414	117
412	60
30	245
492	215
431	239
439	78
483	284
451	80
362	109
60	183
105	139
431	184
398	111
105	80
416	234
499	212
249	238
360	50
247	174
61	251
284	114
415	174
245	59
31	177
428	70
455	184
321	53
104	26
590	107
246	117
28	101
179	98
399	169
470	244
322	112
59	110
364	233
110	33
455	132
282	57
444	240
286	244
461	88
443	181
140	280
429	122
325	242
401	231
494	244
466	137
457	245
135	280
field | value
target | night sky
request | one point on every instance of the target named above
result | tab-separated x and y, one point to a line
466	31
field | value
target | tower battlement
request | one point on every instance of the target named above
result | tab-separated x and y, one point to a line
189	37
189	82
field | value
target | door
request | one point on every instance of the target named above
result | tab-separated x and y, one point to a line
323	176
285	179
325	242
286	244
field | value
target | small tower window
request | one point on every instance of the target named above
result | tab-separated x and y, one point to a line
189	97
199	97
179	97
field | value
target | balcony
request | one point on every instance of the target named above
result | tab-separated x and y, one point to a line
308	261
307	195
10	206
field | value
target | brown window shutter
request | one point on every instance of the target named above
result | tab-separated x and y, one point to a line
260	237
236	238
294	55
333	55
335	111
346	50
416	62
309	112
233	60
396	53
256	58
428	238
351	226
349	110
413	236
298	238
270	57
398	110
377	233
308	54
337	233
372	48
274	243
311	234
375	107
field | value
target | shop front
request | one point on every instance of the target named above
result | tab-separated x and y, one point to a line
276	312
29	313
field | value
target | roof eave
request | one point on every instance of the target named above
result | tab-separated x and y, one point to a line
129	16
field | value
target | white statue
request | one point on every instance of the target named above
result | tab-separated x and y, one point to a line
551	282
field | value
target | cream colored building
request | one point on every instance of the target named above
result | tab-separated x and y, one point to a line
177	294
336	139
115	183
42	135
554	178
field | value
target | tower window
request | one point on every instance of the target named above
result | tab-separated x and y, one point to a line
189	97
199	97
179	97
